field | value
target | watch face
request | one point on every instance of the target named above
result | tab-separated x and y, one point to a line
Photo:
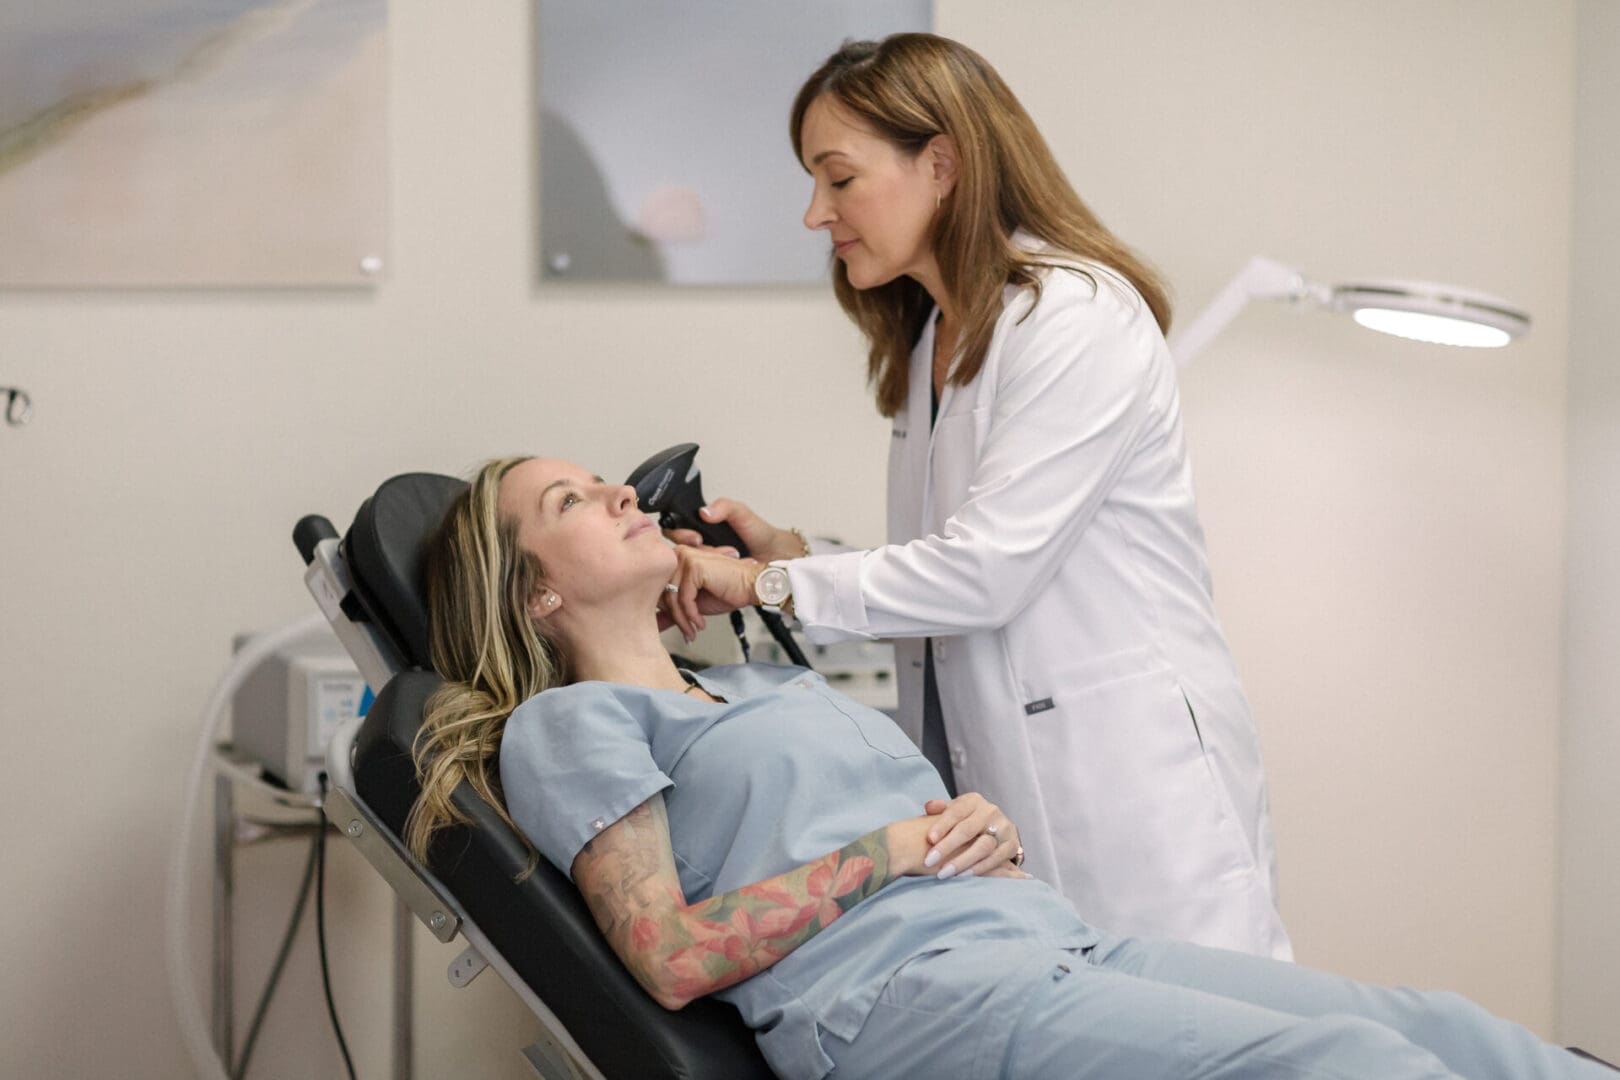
773	586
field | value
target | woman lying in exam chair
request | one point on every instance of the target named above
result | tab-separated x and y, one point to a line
749	833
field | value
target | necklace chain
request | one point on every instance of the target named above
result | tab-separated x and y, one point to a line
692	684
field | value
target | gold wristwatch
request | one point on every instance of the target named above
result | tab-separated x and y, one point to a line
773	589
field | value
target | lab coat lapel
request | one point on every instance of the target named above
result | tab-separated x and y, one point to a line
922	393
909	478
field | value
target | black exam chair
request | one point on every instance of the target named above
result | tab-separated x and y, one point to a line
599	1024
537	933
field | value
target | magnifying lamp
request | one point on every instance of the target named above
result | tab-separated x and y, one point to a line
1422	311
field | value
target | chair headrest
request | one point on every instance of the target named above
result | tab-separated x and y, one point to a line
385	546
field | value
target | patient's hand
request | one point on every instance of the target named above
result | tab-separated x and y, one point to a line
707	583
951	840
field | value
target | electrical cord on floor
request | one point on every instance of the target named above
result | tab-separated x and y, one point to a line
281	957
320	936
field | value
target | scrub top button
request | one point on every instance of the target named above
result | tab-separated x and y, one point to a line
958	758
939	652
598	824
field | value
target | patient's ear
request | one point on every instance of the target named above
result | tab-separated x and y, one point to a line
543	603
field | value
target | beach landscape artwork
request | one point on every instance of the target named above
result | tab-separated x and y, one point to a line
174	143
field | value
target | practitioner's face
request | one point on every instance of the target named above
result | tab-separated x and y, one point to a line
595	547
876	200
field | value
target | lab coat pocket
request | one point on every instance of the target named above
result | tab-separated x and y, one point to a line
880	732
1134	807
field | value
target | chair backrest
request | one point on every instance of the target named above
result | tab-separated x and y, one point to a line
384	548
540	924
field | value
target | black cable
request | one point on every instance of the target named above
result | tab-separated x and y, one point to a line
320	936
281	958
784	637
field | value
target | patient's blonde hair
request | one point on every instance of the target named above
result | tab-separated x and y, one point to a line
487	648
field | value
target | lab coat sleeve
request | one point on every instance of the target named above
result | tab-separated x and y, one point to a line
1071	403
821	545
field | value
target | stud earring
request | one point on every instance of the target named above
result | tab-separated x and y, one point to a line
550	600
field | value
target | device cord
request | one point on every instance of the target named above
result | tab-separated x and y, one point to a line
320	937
742	635
281	957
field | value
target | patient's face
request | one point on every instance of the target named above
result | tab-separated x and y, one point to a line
594	545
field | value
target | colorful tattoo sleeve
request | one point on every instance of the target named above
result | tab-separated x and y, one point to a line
678	951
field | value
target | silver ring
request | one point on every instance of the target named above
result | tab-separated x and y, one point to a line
672	587
993	831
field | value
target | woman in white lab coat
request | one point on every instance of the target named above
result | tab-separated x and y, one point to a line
1045	579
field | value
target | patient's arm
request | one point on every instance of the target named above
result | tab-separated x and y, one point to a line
680	951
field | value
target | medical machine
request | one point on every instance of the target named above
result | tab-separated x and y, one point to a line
670	485
289	706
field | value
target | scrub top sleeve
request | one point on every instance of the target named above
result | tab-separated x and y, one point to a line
1074	394
574	761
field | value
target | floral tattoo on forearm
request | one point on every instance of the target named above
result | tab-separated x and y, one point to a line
679	952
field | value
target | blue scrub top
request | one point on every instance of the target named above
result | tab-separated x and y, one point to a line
782	772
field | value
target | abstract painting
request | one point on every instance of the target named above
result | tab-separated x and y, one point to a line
664	149
192	142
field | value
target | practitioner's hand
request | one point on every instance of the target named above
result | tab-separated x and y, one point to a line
961	841
708	583
765	541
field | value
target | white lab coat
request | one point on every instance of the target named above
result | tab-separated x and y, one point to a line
1046	538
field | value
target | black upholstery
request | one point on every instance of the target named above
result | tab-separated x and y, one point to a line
540	925
384	548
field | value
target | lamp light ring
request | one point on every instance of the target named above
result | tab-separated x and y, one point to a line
1444	301
1421	311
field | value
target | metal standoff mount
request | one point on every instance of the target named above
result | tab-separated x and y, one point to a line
19	406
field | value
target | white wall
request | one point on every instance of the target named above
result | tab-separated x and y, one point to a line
1589	984
1385	519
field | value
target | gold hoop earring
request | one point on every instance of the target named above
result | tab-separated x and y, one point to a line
939	197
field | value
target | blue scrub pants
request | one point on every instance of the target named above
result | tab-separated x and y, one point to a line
1156	1010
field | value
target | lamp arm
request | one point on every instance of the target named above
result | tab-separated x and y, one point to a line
1260	279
